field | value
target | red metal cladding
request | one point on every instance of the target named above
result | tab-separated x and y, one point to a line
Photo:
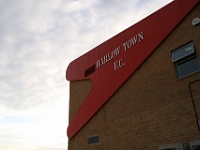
110	64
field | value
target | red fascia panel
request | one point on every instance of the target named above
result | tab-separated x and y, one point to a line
110	64
187	5
167	23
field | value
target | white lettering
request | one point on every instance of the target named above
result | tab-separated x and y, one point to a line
98	64
106	58
124	46
114	53
118	64
141	36
134	40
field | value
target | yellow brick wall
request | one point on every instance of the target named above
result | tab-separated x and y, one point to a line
151	108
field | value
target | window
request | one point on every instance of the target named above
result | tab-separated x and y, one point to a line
93	140
90	71
185	60
169	149
178	146
195	145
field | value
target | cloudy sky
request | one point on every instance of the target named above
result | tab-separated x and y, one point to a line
38	39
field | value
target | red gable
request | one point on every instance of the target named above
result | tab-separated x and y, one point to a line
110	64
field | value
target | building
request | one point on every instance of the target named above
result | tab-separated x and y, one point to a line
140	90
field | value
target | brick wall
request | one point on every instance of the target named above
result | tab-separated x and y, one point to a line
151	108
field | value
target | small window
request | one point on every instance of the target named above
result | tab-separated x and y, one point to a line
183	52
169	149
178	146
185	60
195	145
90	70
93	140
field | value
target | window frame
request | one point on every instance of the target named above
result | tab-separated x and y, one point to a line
180	49
177	146
194	143
184	60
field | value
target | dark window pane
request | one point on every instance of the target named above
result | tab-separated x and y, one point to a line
183	52
90	71
169	149
93	140
187	68
196	147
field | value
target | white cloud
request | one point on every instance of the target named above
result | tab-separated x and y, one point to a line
37	128
38	39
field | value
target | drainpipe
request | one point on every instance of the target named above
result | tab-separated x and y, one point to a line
193	103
